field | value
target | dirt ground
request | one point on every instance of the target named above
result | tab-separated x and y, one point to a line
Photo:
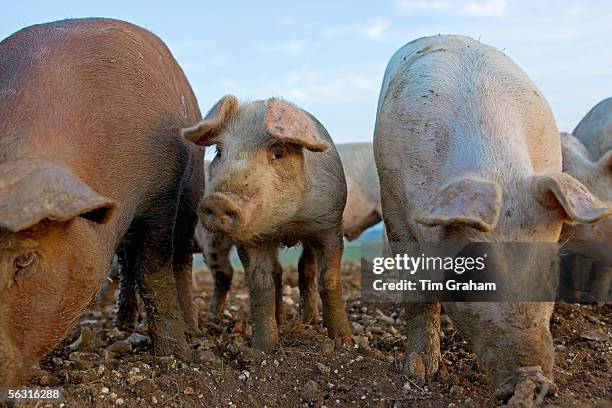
101	367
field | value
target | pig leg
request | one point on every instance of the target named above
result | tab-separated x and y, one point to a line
127	302
183	260
423	354
106	294
216	252
278	293
330	288
259	264
423	340
307	272
158	288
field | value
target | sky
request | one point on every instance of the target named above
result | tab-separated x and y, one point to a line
329	57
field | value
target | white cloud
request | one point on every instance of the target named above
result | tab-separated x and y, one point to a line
477	8
377	28
302	86
292	48
489	8
411	6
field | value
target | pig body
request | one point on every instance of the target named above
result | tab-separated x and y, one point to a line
587	155
467	151
92	163
363	192
276	180
361	212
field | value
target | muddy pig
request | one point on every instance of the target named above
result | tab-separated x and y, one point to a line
363	192
586	258
91	156
467	151
276	180
361	212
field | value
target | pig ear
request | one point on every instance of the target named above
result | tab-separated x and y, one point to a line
468	201
31	191
578	203
290	124
204	132
606	160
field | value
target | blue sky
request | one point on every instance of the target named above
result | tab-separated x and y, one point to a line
329	56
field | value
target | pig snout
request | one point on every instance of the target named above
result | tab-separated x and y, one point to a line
223	212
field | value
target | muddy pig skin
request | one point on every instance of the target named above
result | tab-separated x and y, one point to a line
363	192
361	212
467	150
92	163
587	155
276	180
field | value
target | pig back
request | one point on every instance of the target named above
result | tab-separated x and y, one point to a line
450	106
595	129
102	97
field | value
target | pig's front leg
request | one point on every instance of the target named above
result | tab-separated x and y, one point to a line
259	265
330	287
423	340
127	302
307	271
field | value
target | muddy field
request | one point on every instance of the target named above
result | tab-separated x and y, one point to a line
101	367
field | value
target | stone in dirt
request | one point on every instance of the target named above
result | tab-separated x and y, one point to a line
83	341
595	335
310	392
120	347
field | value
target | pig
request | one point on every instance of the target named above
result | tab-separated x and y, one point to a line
276	180
363	192
361	212
587	262
216	251
92	160
467	150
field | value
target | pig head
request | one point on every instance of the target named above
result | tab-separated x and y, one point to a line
596	174
52	258
257	181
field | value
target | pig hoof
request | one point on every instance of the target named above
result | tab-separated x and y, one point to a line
267	347
520	389
346	341
167	347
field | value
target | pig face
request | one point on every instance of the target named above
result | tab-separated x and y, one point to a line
597	176
51	259
257	180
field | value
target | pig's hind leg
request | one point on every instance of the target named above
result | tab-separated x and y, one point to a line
157	284
184	243
216	251
307	272
279	309
328	261
127	301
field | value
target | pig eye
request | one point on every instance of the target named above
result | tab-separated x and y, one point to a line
24	260
277	152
